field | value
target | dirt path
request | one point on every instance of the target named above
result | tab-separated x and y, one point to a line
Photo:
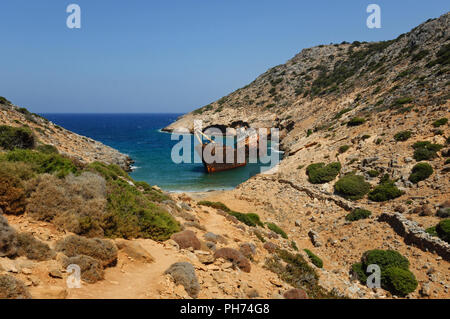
131	280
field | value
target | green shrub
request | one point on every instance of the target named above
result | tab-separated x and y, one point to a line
297	272
384	259
13	195
216	205
425	150
132	214
43	163
432	231
342	112
443	230
3	100
344	148
420	172
358	214
250	219
373	173
109	172
395	275
294	245
47	149
440	122
352	187
356	121
314	258
401	101
402	136
385	191
319	173
277	229
16	137
399	281
155	195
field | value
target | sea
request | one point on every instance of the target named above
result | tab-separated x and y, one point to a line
140	137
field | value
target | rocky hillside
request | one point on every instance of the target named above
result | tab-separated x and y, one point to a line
82	148
313	90
365	134
364	180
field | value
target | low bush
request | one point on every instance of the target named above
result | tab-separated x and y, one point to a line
384	259
385	191
32	248
297	272
358	214
402	136
153	194
250	219
216	205
276	229
91	268
399	281
8	239
356	121
425	150
373	173
13	197
12	288
235	256
343	149
16	137
131	213
270	247
420	172
183	273
4	101
395	274
43	163
443	230
440	122
105	251
314	258
432	231
47	149
76	203
352	187
248	250
186	239
319	173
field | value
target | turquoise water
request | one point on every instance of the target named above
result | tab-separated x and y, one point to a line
139	136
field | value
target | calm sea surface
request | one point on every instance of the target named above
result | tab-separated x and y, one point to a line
139	136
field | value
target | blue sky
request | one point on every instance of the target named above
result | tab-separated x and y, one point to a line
171	55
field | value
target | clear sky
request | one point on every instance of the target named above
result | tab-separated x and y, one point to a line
171	55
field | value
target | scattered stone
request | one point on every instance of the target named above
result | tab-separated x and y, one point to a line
55	273
134	250
315	239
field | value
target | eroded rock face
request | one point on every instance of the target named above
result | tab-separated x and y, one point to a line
134	251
